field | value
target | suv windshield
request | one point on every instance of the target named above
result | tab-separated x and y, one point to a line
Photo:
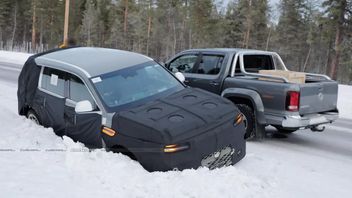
135	85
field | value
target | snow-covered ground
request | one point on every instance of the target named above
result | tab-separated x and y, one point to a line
34	162
32	166
13	57
344	102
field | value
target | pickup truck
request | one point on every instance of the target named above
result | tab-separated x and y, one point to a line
263	99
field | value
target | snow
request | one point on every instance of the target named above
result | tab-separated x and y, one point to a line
344	102
72	171
13	57
34	162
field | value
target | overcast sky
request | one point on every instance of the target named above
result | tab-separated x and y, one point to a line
275	11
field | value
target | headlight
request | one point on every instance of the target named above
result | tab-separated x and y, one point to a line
172	148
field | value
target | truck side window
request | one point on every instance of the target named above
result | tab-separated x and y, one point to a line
210	64
184	63
53	80
254	63
78	90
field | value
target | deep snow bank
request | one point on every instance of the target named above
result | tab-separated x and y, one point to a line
36	163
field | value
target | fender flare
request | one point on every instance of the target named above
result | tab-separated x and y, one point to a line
250	95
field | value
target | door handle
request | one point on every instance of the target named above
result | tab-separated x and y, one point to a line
186	81
214	83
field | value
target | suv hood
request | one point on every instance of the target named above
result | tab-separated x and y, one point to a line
177	117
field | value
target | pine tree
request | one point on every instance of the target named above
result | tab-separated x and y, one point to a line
247	24
201	12
90	24
291	34
233	27
337	10
5	13
260	20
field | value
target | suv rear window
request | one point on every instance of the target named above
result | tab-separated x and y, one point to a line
53	80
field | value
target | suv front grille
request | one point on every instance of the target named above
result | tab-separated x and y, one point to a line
220	158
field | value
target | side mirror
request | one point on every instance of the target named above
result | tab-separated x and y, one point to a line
83	106
180	76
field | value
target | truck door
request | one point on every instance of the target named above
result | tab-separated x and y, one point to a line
185	64
206	74
83	127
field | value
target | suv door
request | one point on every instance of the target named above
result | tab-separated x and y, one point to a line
83	127
50	99
207	72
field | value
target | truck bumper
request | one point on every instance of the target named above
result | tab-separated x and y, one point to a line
309	120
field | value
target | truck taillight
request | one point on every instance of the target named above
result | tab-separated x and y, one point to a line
292	101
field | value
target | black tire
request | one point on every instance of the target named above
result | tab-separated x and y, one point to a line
32	115
281	129
249	120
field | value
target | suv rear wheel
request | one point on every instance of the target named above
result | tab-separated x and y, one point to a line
249	120
33	116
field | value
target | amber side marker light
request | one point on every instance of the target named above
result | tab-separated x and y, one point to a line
175	148
238	119
108	131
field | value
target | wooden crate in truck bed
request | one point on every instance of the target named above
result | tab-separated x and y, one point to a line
291	76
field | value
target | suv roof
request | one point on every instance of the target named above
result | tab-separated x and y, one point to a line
91	61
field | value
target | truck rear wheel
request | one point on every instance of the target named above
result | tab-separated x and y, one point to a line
249	120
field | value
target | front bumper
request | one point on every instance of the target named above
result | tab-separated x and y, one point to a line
297	121
202	150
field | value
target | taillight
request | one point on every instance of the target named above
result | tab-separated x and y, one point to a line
292	101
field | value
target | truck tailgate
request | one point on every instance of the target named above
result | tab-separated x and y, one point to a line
318	97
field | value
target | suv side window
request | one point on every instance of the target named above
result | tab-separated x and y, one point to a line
184	63
78	90
53	80
210	64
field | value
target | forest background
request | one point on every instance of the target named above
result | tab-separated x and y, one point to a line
310	35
